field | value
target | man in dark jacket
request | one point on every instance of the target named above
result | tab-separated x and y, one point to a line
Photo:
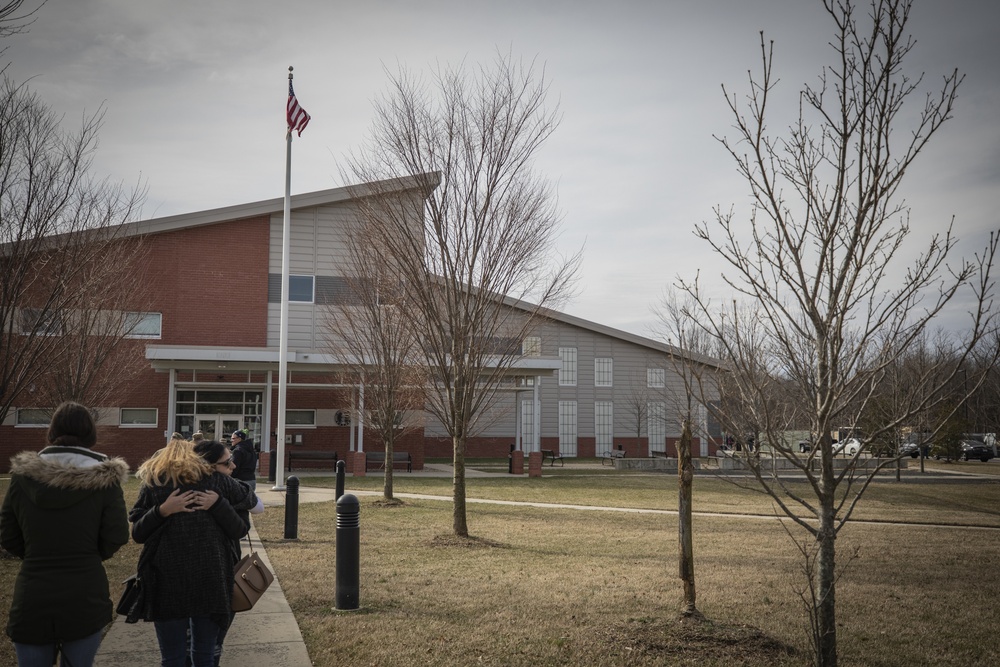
245	459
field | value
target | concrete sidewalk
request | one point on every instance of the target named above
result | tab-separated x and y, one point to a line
265	636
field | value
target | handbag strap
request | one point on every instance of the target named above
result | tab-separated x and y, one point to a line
249	541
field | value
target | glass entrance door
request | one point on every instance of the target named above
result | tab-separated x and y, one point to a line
217	427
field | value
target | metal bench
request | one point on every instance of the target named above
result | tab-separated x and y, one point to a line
300	455
553	457
399	459
610	456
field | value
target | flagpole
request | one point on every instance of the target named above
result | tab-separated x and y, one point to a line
279	475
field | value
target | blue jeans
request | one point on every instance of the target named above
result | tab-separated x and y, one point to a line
77	653
173	638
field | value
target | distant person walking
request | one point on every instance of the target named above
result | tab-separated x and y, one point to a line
185	520
64	513
244	458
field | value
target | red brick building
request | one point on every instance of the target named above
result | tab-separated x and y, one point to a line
211	343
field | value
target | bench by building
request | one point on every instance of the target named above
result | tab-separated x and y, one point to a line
303	455
611	455
553	457
376	460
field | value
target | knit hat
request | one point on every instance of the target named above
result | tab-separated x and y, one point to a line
241	434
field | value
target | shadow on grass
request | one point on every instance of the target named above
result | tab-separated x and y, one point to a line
705	641
466	542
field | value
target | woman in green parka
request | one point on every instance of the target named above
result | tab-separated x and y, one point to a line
63	515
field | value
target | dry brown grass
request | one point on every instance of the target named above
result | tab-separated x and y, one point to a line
567	587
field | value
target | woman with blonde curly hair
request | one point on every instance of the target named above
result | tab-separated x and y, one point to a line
185	520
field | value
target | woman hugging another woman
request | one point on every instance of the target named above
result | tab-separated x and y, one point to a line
186	518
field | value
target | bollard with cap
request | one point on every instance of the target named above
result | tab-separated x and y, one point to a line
348	552
292	508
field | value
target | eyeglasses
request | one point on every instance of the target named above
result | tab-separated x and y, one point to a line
228	462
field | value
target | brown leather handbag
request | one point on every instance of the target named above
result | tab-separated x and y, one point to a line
251	578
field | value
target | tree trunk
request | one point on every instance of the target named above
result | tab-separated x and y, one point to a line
685	475
387	480
824	589
459	520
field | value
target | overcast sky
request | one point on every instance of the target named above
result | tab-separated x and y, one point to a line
194	93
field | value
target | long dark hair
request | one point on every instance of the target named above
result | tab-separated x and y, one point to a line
210	450
73	424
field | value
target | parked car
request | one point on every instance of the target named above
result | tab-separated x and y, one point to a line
975	449
850	447
910	449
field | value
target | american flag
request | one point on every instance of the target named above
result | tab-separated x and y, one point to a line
296	115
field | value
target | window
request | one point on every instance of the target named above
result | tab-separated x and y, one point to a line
42	322
300	417
567	428
528	426
603	427
656	412
300	289
603	371
567	368
531	347
143	325
656	378
138	417
33	417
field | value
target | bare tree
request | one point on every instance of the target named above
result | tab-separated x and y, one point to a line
62	256
485	234
370	334
700	381
821	261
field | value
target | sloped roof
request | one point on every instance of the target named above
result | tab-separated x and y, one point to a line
276	205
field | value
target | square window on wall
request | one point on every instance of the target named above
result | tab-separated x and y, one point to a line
301	289
138	417
143	325
300	418
33	417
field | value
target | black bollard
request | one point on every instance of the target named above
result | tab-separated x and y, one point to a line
510	461
348	552
292	508
340	479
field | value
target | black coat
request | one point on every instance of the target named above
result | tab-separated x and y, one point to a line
62	520
245	459
186	565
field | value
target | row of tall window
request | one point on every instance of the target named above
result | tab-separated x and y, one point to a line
604	425
58	322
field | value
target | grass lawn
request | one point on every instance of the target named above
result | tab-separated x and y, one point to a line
543	586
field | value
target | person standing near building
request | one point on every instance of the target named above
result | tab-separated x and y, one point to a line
244	459
64	513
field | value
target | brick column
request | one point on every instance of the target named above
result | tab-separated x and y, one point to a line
517	462
265	464
358	469
534	464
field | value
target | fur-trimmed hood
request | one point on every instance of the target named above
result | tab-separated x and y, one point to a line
54	483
